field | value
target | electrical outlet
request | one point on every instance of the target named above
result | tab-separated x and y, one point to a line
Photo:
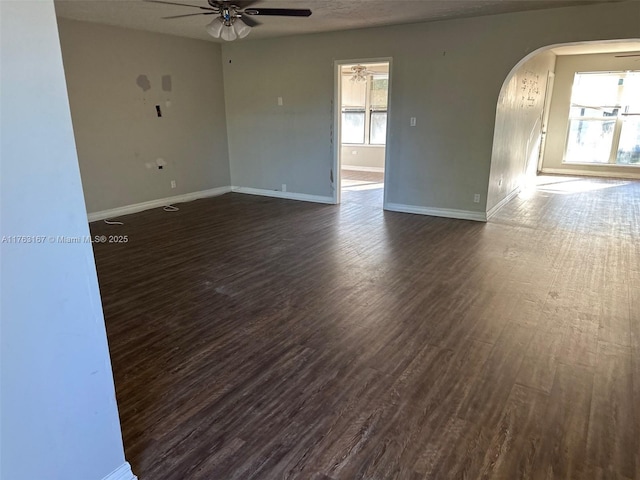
476	198
413	121
280	102
173	184
284	187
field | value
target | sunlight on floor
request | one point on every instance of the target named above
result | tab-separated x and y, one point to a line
568	185
360	186
350	182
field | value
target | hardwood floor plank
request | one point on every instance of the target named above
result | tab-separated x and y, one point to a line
580	341
426	399
302	457
359	440
543	354
437	424
486	400
471	441
519	436
613	442
597	473
615	324
485	321
563	454
228	450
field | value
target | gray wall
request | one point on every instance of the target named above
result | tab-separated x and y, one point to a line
118	134
566	68
58	408
518	130
447	74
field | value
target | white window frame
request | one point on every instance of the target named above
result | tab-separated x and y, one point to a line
368	110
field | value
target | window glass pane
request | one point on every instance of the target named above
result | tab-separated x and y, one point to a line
597	89
589	141
379	87
631	93
353	93
629	146
353	127
378	133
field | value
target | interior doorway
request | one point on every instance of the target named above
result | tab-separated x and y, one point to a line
363	100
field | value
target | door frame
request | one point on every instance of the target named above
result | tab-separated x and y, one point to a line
337	124
548	95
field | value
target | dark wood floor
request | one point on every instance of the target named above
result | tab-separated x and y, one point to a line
258	338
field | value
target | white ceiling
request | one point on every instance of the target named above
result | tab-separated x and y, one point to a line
328	15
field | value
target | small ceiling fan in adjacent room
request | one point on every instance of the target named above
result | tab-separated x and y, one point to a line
234	19
358	73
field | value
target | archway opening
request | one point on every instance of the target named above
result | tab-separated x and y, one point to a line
535	125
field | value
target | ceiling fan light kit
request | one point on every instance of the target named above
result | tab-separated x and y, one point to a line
241	28
215	28
228	29
360	73
233	19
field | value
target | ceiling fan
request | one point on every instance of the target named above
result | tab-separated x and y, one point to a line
234	19
358	73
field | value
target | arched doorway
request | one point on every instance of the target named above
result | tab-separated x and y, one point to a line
532	116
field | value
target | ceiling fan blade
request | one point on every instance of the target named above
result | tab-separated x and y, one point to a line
180	4
283	12
252	22
190	15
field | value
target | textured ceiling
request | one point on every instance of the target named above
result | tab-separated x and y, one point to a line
328	15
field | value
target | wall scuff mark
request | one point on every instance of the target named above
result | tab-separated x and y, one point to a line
166	83
143	82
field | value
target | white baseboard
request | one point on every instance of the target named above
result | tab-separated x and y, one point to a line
161	202
493	210
357	168
592	173
123	472
287	195
437	212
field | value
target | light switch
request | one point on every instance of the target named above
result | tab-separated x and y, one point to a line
280	101
413	121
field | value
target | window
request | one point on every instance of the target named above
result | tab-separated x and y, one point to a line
378	109
364	110
353	126
378	128
604	119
